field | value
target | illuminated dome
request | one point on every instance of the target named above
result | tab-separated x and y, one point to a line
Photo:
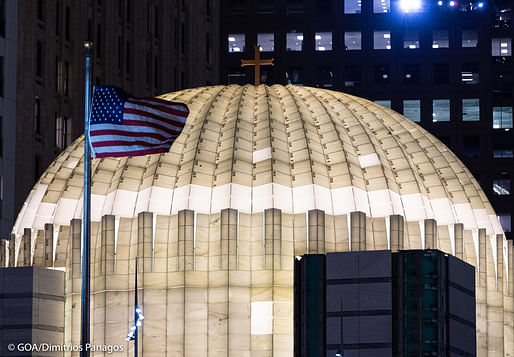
259	175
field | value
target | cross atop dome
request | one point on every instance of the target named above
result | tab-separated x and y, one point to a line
257	63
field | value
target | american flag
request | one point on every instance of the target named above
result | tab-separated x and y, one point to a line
121	125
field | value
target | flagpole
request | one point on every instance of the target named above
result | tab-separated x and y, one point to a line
86	222
135	314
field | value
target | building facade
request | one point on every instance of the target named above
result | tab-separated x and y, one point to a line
258	176
408	303
445	64
145	47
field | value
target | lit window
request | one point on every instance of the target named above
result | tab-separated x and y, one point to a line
470	73
501	47
266	41
440	39
411	39
294	76
353	40
501	186
411	74
352	6
382	40
503	153
384	103
412	109
324	77
352	75
381	6
382	74
410	5
440	110
470	38
505	221
62	132
470	109
294	41
323	41
236	42
502	117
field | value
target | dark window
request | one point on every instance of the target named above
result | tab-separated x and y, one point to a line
382	74
156	73
37	167
90	29
127	9
1	136
67	24
294	76
182	80
411	74
324	6
470	73
502	151
56	74
98	44
352	75
66	79
1	76
208	6
294	6
41	10
237	6
471	146
127	57
148	67
57	18
120	8
120	52
156	22
265	6
207	48
2	18
267	75
505	221
441	73
39	59
236	76
324	77
62	132
502	81
183	38
37	115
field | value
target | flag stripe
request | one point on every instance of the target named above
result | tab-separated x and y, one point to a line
129	128
180	106
125	143
163	108
149	124
146	115
122	133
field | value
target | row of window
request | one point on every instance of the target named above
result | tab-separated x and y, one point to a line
381	41
502	115
355	6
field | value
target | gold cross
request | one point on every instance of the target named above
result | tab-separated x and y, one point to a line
257	62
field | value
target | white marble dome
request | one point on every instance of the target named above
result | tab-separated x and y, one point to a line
291	148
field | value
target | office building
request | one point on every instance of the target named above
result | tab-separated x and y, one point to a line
446	65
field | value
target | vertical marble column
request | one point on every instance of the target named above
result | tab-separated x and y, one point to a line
430	234
2	253
113	298
273	238
494	297
195	292
341	233
396	231
21	252
27	244
76	278
481	295
508	296
358	231
12	250
49	245
459	240
316	231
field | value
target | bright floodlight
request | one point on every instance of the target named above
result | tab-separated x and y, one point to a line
410	5
480	4
440	3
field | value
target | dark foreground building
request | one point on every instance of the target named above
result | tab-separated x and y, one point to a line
446	65
410	303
